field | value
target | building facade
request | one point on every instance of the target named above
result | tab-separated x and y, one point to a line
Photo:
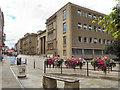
28	44
2	34
41	42
70	32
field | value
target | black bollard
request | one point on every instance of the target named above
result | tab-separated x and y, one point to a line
87	70
34	64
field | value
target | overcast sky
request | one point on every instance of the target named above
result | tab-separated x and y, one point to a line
29	16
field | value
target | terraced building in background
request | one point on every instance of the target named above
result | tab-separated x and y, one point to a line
70	32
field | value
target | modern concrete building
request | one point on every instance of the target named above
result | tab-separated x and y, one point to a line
70	31
29	44
41	42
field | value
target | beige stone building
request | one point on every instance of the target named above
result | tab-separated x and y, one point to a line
2	34
70	31
29	44
41	42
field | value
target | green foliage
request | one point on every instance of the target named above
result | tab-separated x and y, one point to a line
111	22
114	48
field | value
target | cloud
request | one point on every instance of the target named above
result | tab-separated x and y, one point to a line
13	17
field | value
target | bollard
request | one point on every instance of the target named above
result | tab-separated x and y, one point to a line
26	61
87	70
34	64
44	67
61	68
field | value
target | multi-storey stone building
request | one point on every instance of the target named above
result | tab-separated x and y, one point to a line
70	31
29	44
2	34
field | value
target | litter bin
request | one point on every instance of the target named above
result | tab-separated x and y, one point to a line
18	61
21	71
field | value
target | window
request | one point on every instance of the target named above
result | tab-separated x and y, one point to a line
111	41
99	29
79	25
64	41
79	12
98	52
99	41
95	40
94	17
64	14
103	41
90	16
76	51
90	27
50	26
90	40
103	29
85	14
95	28
85	39
64	52
85	26
80	39
64	27
88	51
108	41
50	46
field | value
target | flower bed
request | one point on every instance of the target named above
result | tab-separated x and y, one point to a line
73	62
102	63
55	61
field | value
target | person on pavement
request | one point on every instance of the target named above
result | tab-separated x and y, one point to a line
12	59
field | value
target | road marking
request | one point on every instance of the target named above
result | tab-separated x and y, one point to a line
17	79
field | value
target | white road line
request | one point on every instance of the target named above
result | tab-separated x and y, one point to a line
17	79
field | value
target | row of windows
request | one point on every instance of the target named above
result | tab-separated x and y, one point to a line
94	40
85	14
90	27
77	51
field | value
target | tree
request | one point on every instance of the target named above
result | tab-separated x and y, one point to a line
114	48
111	22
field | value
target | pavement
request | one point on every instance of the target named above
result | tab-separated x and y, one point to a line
96	79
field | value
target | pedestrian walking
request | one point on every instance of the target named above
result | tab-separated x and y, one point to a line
12	59
2	56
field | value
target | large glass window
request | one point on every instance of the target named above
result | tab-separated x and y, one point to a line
80	38
64	41
94	17
103	41
76	51
85	26
95	40
99	41
64	14
103	29
64	27
99	29
64	52
95	28
79	12
90	27
108	41
85	39
79	25
85	14
89	15
90	40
